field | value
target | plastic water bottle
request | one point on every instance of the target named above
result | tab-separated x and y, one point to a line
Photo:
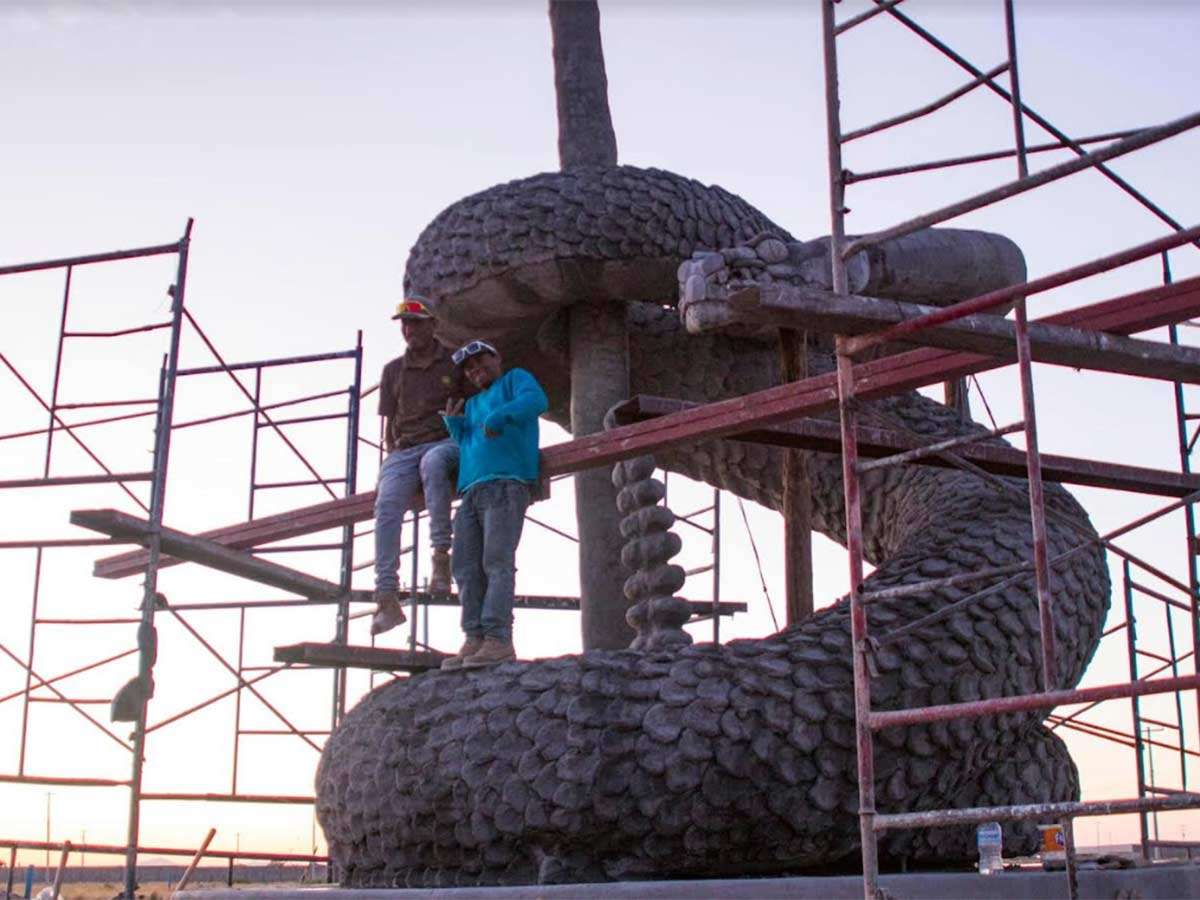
989	840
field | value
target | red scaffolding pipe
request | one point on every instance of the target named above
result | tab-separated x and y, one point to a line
1029	702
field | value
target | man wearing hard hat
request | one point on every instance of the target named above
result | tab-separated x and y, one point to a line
413	391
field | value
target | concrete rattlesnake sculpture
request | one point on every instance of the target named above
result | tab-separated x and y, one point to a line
706	759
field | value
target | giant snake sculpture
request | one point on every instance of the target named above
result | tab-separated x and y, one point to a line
709	759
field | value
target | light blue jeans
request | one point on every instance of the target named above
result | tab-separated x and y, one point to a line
487	529
431	467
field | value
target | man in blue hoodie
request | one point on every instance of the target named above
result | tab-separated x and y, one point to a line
497	437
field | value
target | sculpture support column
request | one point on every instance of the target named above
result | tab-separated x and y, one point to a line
599	378
585	129
599	344
797	494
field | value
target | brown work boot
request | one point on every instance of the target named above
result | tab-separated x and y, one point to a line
470	647
388	612
439	581
493	651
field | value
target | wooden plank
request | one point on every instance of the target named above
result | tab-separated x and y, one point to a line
547	602
875	443
1122	315
264	530
356	657
209	553
786	306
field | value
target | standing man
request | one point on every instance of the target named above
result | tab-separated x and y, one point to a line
497	436
413	391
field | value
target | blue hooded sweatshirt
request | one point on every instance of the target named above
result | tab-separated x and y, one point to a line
510	406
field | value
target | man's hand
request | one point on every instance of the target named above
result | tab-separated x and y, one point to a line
493	425
453	407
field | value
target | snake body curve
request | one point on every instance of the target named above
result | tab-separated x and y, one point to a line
733	758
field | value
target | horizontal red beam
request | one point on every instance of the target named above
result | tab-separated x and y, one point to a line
119	850
156	250
875	443
1071	809
974	709
230	798
1128	314
61	480
265	530
879	378
1004	295
61	781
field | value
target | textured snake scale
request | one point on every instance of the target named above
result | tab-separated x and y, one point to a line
703	759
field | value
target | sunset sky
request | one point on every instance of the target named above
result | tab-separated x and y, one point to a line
313	146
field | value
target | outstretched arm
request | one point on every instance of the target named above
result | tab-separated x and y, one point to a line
528	402
454	419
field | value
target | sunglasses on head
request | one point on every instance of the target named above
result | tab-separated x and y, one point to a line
474	348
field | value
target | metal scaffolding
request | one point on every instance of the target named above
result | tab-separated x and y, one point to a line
956	342
921	329
132	701
228	550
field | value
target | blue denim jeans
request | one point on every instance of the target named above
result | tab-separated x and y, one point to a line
430	467
487	529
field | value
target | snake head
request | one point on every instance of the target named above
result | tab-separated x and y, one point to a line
709	279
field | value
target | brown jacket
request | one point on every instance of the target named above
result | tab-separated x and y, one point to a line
412	394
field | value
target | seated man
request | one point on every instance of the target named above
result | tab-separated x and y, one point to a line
413	390
497	437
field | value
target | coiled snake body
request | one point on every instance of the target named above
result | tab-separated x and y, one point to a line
705	759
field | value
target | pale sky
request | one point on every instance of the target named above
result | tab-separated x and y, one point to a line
312	146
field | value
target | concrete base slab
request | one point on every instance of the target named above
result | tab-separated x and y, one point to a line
1161	882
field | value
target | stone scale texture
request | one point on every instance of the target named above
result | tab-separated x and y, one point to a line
699	759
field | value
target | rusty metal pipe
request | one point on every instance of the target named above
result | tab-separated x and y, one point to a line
1142	139
1028	702
928	108
930	449
1073	809
993	299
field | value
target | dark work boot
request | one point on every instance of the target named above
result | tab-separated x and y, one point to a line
492	652
388	612
470	647
439	580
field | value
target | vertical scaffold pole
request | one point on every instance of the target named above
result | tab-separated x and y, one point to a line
1189	511
37	560
346	578
1139	756
1037	504
846	406
716	567
147	642
1010	30
237	697
416	573
858	629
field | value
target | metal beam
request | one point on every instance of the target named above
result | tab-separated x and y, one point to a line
207	552
877	443
1124	315
786	306
702	608
878	378
264	530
